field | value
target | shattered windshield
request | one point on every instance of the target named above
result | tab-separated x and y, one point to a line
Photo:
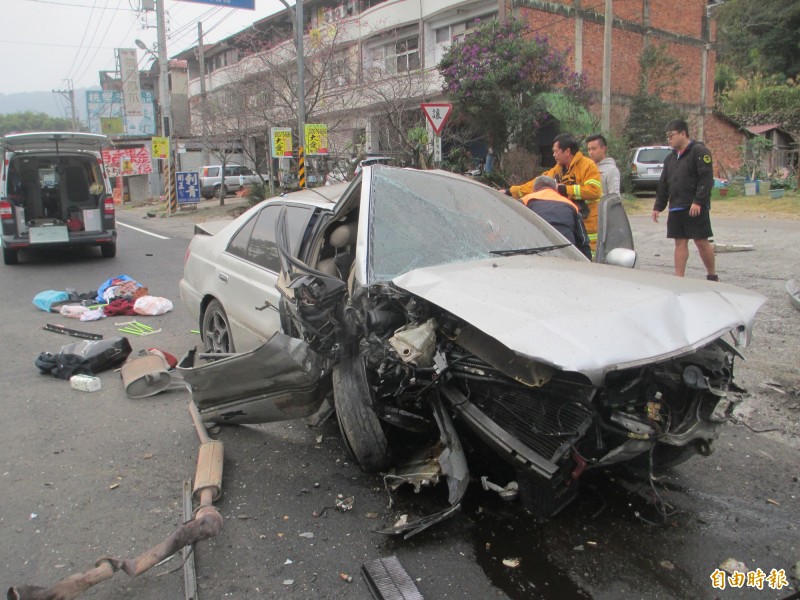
420	219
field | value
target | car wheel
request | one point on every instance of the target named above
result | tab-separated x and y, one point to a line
361	429
216	329
108	250
10	257
216	191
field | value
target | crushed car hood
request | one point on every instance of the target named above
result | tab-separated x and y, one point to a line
584	317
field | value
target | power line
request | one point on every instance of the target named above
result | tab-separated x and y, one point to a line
83	38
76	5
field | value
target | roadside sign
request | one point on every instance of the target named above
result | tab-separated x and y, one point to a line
160	147
437	149
281	141
316	139
437	115
187	186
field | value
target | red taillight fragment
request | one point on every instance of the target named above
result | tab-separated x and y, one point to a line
6	210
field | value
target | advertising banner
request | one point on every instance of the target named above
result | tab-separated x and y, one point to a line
316	139
187	186
160	147
281	141
134	161
106	104
131	92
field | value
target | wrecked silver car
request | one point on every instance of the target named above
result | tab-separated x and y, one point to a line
430	309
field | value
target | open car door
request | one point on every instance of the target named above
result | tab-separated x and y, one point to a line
613	227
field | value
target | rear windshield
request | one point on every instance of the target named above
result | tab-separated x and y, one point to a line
653	156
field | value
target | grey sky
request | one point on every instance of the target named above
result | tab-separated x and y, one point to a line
46	42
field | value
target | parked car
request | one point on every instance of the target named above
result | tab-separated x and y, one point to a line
236	176
646	165
54	193
428	309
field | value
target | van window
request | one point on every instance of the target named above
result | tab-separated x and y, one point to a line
212	172
653	156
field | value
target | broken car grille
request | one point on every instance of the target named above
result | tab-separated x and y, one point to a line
545	422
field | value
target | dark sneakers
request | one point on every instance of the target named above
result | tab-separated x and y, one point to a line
712	277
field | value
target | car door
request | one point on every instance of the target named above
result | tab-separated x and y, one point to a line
248	271
281	378
232	177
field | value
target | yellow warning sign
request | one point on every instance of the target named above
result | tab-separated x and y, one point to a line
316	139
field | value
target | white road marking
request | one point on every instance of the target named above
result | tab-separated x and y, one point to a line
155	235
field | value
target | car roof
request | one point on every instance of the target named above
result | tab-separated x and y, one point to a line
325	196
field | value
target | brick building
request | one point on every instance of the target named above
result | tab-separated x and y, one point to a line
684	31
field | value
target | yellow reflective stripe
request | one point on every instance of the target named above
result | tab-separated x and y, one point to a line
592	237
576	191
592	182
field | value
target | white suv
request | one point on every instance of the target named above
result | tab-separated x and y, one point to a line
236	176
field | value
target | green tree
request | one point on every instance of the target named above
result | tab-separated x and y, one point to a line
31	121
760	37
495	78
649	112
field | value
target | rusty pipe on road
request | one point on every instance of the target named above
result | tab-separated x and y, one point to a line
207	522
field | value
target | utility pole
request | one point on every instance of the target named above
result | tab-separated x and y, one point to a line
69	94
605	117
202	59
578	38
163	72
301	83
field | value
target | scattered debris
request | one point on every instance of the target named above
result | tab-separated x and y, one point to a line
72	332
85	383
667	565
401	521
729	565
307	535
113	486
289	561
345	577
511	563
387	580
319	439
32	516
371	515
720	248
288	581
773	502
344	504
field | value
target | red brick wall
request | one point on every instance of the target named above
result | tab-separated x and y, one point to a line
681	18
723	139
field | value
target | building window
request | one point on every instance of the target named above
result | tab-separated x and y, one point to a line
339	73
402	56
457	32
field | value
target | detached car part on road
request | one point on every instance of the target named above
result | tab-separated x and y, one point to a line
54	192
430	307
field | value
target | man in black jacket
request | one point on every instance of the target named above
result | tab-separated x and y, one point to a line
686	183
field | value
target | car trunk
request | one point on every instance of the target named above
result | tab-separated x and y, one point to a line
64	190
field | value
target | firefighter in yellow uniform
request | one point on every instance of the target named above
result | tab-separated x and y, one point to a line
578	179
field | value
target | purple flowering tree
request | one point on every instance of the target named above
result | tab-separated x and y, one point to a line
495	77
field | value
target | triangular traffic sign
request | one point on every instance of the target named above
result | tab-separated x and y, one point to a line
437	115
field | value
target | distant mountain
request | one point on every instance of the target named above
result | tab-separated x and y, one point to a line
49	103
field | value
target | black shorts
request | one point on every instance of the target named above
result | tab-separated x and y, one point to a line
681	226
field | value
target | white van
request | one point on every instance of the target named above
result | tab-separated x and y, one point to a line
54	192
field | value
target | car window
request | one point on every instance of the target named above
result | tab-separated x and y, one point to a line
419	220
245	171
238	245
212	172
256	241
653	156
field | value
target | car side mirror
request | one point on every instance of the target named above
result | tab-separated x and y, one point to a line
621	257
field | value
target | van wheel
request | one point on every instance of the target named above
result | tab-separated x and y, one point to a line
361	429
10	257
108	250
224	191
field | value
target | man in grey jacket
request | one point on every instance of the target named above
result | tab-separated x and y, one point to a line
596	147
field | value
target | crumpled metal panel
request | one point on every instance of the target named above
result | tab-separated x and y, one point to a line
584	317
278	381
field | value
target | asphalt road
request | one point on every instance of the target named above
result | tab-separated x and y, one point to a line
87	475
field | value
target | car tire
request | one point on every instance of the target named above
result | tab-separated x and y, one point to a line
108	250
10	257
216	191
216	329
361	429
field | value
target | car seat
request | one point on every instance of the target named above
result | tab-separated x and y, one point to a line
343	239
